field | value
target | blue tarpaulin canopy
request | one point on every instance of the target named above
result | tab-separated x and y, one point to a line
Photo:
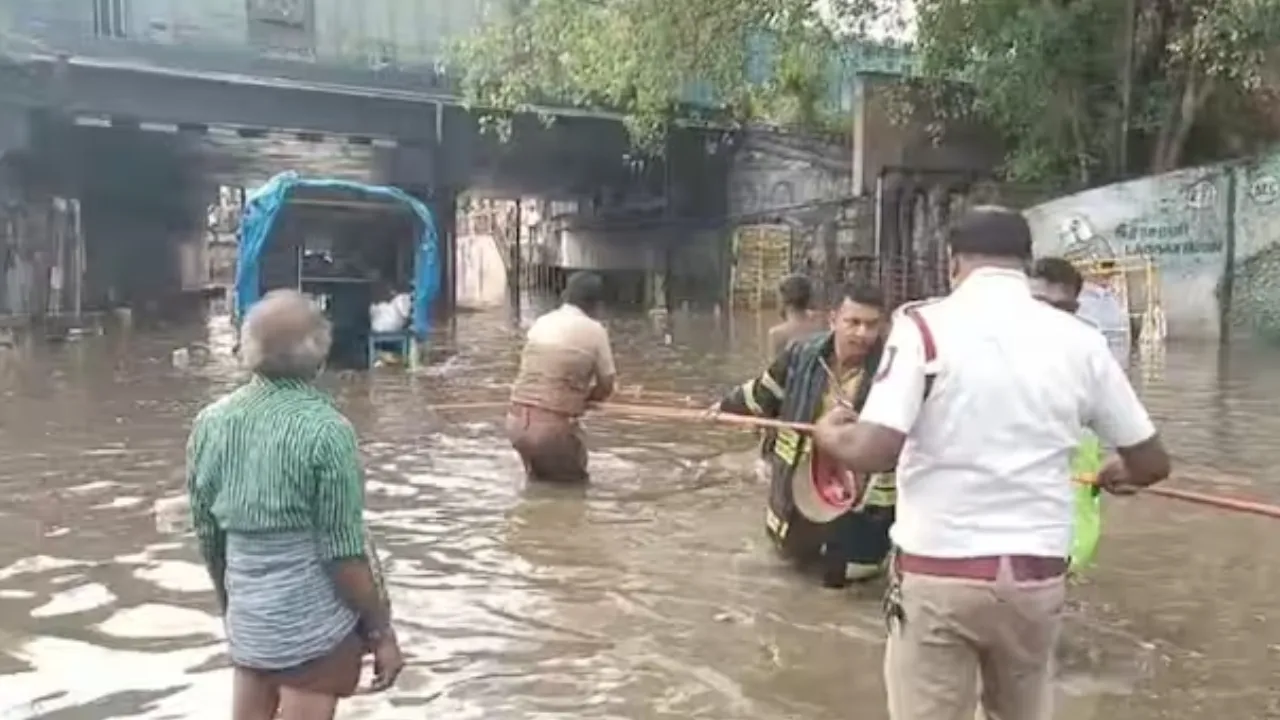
264	205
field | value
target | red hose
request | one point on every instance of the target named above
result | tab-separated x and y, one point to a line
1224	503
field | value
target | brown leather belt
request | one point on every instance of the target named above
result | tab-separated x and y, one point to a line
1025	568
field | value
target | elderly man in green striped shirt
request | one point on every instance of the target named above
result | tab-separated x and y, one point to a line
277	501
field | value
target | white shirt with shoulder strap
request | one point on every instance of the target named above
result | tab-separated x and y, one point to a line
1015	383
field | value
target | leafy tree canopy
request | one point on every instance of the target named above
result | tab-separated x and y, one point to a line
1050	75
656	60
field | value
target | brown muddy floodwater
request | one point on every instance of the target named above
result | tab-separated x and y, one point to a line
653	594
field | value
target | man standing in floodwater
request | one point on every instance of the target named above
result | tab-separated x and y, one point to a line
1058	283
799	321
566	365
277	502
980	400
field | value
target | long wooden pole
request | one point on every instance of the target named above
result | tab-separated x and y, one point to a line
658	412
1224	503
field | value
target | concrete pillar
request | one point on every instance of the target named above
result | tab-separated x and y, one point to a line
24	256
412	164
140	202
859	184
415	167
443	205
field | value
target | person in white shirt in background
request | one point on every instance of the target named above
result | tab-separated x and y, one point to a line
979	402
392	314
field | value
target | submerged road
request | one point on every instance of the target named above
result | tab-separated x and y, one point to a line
653	594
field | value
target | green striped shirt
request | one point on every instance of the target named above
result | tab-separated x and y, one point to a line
275	455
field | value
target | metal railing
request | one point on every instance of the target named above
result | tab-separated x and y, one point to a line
900	279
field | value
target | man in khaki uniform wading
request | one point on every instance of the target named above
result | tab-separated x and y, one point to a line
567	364
980	401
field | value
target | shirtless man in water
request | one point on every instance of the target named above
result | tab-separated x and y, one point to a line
799	319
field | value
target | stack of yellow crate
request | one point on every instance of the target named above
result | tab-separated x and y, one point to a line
762	257
1135	281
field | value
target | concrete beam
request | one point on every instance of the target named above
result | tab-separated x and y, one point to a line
186	100
574	155
410	166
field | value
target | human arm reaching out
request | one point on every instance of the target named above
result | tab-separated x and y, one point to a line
606	376
761	396
1119	419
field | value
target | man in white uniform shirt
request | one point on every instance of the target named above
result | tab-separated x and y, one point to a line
980	400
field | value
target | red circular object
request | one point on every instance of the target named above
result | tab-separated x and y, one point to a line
831	480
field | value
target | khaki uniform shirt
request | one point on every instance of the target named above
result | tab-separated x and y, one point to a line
565	353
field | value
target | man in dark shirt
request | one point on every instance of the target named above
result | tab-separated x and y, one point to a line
807	378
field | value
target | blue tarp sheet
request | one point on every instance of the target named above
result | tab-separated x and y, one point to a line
262	209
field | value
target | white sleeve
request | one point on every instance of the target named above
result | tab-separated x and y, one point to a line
897	392
404	305
1115	413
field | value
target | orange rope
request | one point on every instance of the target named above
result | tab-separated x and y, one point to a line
658	412
445	407
669	413
651	411
1241	505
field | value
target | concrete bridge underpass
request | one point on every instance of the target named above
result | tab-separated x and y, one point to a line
142	150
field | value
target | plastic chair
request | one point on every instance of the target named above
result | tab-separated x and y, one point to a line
402	340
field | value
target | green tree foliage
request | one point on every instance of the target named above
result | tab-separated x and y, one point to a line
1050	76
647	59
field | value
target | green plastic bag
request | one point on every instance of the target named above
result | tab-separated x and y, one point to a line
1087	530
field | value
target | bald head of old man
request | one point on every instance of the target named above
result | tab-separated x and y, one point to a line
285	336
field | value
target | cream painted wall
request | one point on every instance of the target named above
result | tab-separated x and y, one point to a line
482	274
1213	232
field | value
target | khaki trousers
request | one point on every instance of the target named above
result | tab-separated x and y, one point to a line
971	645
549	443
